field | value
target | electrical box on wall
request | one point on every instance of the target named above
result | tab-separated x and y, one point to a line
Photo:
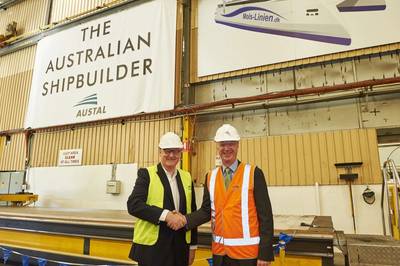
113	186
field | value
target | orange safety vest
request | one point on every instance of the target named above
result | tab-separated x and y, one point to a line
234	221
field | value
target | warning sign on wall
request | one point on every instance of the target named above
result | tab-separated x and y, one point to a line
70	157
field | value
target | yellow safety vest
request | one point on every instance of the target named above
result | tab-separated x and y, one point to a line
146	233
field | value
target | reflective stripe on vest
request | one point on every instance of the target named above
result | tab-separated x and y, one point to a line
146	233
237	241
247	239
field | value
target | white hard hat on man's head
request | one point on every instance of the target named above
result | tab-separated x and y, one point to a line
226	133
170	141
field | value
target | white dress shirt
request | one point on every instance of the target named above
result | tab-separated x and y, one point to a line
175	192
175	195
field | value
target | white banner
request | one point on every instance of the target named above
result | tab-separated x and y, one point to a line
117	65
238	34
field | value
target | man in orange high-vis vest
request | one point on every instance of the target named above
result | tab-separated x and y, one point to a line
236	200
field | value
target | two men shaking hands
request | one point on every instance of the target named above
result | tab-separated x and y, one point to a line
175	220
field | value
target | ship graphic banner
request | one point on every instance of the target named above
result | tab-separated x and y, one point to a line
113	66
240	34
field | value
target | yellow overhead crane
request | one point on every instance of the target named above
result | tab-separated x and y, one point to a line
21	199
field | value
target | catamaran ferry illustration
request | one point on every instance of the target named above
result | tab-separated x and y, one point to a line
361	5
306	19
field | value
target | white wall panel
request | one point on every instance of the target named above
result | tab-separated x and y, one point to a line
81	186
324	74
249	123
313	117
377	67
280	80
381	111
245	86
230	88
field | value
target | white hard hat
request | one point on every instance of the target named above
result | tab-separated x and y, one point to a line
226	133
170	141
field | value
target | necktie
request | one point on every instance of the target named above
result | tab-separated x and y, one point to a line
227	177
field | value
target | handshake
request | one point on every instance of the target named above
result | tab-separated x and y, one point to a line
175	220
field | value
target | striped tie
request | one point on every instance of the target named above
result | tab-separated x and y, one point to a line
227	177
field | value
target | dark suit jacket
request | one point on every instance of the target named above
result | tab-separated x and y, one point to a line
170	244
264	213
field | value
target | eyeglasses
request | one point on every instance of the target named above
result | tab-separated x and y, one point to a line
228	144
172	151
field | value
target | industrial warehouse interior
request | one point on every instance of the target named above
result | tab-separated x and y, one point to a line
119	119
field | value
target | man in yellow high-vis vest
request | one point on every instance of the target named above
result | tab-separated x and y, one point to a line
160	192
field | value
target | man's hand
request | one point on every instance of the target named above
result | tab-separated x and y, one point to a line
192	253
263	263
175	220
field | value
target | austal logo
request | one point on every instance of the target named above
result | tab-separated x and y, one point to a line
90	111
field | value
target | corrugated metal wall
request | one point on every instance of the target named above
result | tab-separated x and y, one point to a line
302	159
15	82
131	142
29	15
17	62
12	155
15	79
66	8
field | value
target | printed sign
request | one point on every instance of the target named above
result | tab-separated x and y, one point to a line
237	34
70	157
114	66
